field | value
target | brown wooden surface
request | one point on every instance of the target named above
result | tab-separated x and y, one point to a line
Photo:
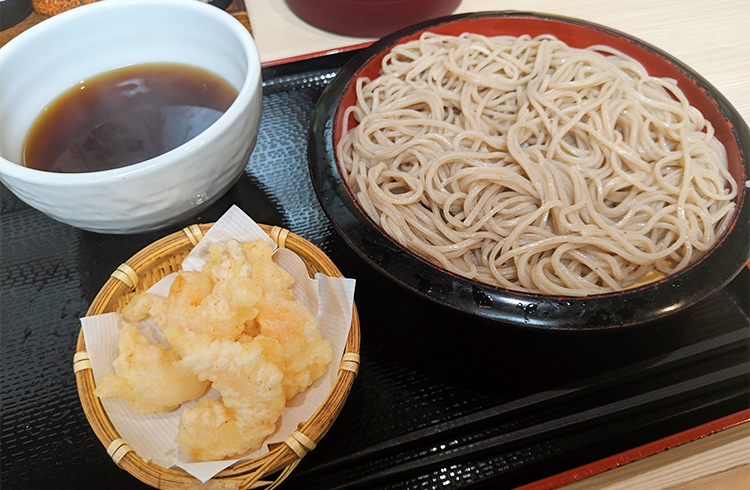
8	34
237	9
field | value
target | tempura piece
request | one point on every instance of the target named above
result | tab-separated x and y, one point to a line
211	431
221	310
256	261
149	376
145	305
250	383
270	276
226	262
306	353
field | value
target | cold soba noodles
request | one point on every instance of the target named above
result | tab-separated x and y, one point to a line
530	165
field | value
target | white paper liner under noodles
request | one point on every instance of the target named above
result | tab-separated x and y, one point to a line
154	436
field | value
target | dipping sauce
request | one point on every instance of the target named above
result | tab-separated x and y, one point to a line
126	116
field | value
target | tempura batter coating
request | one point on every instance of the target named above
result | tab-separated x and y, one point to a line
221	310
226	262
149	376
265	271
146	305
256	261
211	431
306	353
250	383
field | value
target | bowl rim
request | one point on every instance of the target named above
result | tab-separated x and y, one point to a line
630	307
246	93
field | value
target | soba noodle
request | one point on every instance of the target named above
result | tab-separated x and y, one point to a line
533	166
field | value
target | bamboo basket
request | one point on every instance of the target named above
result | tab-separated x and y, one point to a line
139	273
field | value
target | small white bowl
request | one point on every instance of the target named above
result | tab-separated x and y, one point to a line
57	54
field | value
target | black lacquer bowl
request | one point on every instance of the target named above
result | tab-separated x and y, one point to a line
630	307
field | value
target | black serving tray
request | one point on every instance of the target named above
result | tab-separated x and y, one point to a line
437	404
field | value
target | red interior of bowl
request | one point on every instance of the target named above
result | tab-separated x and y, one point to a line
578	36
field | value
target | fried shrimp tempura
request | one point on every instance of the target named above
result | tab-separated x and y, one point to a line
211	431
227	262
265	271
254	259
149	376
306	353
146	305
221	310
250	382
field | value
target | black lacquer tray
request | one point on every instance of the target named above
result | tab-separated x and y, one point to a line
437	404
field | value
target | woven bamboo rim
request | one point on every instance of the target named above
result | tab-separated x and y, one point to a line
138	274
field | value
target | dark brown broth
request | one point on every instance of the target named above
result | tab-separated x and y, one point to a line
126	116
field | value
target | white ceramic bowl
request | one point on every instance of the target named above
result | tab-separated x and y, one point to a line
48	59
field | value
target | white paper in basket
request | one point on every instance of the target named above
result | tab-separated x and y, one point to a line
153	436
